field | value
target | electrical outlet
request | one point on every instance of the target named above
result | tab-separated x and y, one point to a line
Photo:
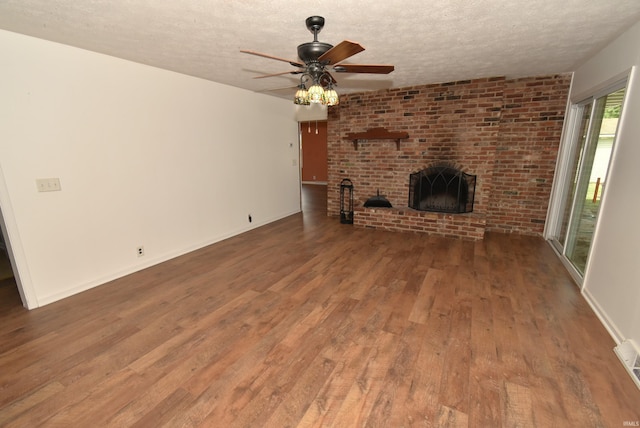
140	251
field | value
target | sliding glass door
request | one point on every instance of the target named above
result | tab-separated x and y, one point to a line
592	131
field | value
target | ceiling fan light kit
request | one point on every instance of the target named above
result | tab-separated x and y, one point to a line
316	93
302	96
331	97
317	59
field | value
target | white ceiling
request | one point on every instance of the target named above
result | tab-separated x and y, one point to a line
428	42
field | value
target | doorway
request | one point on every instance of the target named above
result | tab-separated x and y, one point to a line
592	131
9	293
313	136
5	264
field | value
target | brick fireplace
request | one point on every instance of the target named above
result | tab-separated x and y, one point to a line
505	132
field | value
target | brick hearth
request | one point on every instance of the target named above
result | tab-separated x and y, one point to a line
466	226
506	132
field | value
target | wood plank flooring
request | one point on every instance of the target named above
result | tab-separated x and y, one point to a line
307	322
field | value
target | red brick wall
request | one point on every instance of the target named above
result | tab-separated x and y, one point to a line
504	131
526	152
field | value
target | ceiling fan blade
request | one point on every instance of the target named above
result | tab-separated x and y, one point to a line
340	52
364	68
278	74
293	63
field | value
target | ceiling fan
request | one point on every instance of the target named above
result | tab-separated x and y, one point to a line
316	60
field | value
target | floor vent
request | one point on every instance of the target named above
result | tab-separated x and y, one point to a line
628	353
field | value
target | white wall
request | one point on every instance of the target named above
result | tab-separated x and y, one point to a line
612	280
145	157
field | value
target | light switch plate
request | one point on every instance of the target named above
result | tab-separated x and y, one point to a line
48	184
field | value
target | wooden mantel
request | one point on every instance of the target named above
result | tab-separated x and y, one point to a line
376	134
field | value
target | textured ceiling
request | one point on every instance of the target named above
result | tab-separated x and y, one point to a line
428	42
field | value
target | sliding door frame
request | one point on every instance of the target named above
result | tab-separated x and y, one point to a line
565	171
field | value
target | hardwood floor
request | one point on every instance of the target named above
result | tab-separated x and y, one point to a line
308	322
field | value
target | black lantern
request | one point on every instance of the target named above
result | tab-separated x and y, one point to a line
346	207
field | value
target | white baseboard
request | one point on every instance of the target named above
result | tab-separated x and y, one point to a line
602	316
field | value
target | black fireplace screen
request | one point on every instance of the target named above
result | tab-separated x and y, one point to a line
442	188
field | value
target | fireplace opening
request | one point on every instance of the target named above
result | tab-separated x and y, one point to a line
442	188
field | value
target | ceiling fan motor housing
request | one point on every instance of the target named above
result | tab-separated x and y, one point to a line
309	52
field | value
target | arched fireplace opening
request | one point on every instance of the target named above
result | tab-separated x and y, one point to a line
442	188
